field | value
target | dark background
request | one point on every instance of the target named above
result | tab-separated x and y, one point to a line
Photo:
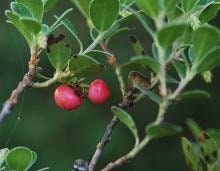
60	137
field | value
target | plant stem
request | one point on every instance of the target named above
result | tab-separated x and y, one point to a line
182	85
25	83
95	43
141	145
107	135
57	76
128	156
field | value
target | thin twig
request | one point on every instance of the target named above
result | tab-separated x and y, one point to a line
25	83
141	145
107	135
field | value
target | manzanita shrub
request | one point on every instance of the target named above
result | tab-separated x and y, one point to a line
184	46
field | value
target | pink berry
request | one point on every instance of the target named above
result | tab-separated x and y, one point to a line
98	92
66	98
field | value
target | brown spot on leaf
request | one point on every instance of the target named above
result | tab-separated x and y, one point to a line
207	158
215	154
133	38
203	137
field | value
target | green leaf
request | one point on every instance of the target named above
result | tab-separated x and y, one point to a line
156	131
151	95
20	9
116	33
172	32
150	7
94	33
3	155
32	25
15	20
174	13
20	158
208	147
209	13
170	4
195	94
127	2
59	55
191	155
180	68
137	46
210	60
84	65
194	127
126	119
147	61
189	4
49	4
104	13
59	19
83	6
72	29
98	53
45	28
215	134
35	7
204	39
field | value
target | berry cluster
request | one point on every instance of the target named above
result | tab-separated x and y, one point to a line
68	98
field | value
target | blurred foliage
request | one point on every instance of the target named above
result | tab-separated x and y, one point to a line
60	137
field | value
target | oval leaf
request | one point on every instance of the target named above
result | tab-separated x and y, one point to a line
215	134
195	94
32	25
194	127
150	7
126	119
210	61
15	20
191	155
59	54
149	62
72	29
20	9
49	4
83	6
104	13
156	131
150	94
208	147
204	39
172	32
84	65
189	4
20	158
35	7
127	2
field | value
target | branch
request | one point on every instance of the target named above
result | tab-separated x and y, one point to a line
25	83
107	135
126	103
142	144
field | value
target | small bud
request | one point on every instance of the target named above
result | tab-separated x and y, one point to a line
195	23
42	41
207	76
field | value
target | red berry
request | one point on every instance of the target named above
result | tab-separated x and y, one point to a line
98	92
66	98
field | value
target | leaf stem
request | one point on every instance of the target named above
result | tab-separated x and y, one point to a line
57	76
95	43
